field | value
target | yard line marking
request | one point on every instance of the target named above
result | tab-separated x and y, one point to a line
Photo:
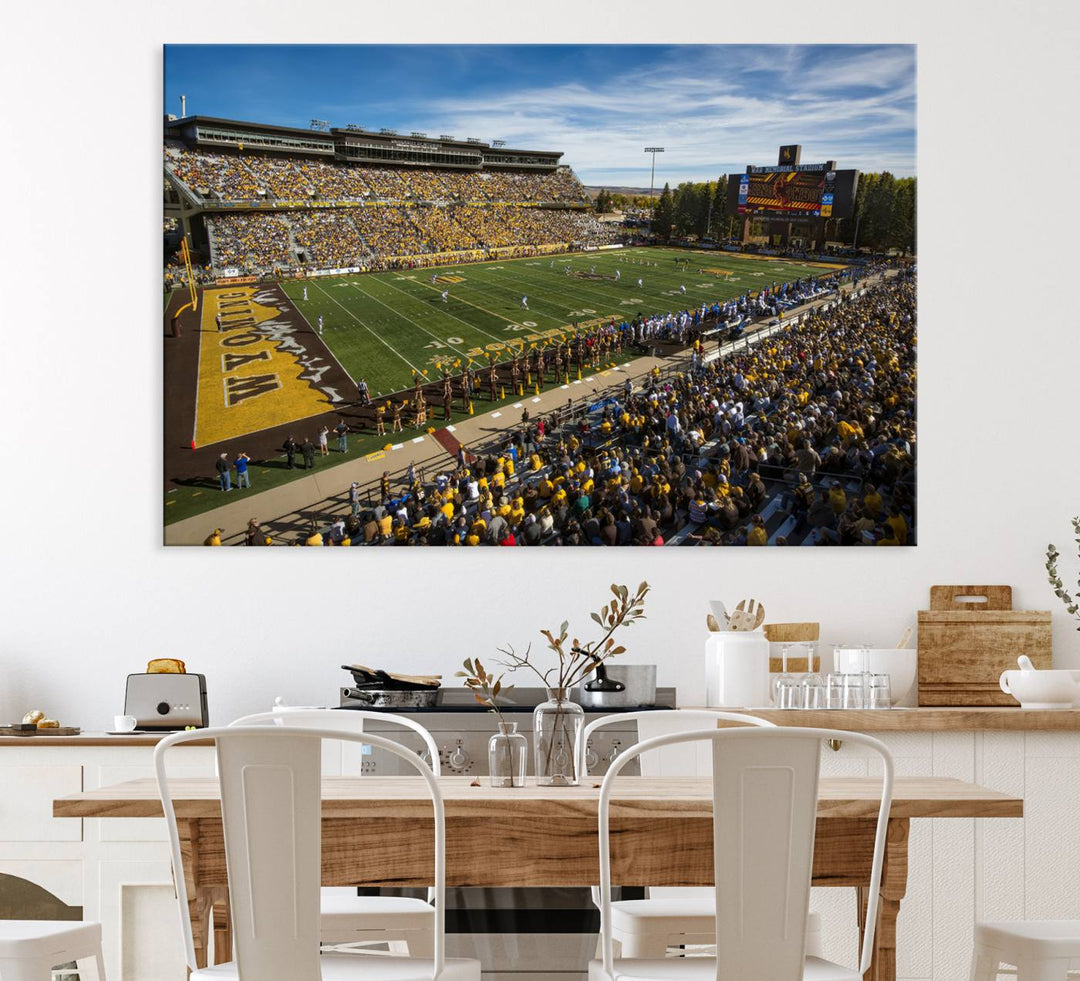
367	328
409	319
517	405
505	318
312	329
451	429
419	439
496	415
397	446
564	386
449	314
536	400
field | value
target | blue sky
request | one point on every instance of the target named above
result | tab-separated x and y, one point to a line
714	108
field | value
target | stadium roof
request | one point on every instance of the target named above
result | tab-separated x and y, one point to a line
177	127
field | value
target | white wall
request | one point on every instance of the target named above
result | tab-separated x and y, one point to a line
88	592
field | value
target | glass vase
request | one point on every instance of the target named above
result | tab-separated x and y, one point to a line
508	755
557	725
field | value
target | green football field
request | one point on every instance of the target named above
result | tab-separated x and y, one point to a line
386	326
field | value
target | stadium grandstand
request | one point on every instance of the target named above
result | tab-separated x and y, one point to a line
259	200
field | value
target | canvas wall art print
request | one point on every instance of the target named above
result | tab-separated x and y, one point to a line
540	296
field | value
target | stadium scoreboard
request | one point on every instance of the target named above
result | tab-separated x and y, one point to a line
793	190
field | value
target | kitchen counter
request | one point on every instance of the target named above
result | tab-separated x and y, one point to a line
88	739
923	719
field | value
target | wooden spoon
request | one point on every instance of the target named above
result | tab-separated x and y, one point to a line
748	617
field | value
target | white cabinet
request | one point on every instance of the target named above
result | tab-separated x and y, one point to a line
117	870
961	870
26	803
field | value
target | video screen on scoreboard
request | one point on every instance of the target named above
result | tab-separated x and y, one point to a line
794	193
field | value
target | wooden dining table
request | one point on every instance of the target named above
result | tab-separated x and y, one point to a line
377	832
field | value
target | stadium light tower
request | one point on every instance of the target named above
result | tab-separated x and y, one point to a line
654	150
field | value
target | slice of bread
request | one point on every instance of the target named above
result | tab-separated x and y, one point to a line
166	665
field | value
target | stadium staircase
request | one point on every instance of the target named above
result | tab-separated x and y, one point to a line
211	243
369	256
294	247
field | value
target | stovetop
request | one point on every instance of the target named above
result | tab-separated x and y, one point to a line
518	700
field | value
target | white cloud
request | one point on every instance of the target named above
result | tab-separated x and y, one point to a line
714	108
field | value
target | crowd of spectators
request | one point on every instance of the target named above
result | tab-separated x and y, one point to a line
329	238
440	231
248	176
389	231
381	236
251	241
818	418
210	174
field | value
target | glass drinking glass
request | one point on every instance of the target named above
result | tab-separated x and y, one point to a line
785	676
853	691
813	691
879	693
834	690
788	692
807	649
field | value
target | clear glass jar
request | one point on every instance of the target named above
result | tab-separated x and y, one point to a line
557	725
508	756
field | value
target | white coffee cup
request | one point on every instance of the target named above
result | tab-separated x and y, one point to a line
124	723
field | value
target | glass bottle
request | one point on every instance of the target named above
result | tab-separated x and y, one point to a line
508	755
557	725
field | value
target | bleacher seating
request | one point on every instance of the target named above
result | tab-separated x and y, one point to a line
385	217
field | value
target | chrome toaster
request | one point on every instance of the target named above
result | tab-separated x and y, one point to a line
166	702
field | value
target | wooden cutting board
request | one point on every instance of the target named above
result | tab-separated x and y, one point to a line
793	633
60	731
964	645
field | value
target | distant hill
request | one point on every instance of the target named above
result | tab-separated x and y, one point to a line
592	191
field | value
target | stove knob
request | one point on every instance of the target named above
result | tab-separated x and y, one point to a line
458	758
614	752
591	757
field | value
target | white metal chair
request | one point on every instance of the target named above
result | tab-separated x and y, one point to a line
765	790
271	810
346	917
30	949
1041	950
675	916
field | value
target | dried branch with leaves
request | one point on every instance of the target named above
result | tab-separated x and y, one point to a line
577	661
1071	600
486	688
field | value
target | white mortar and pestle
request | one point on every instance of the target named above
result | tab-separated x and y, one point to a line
1035	689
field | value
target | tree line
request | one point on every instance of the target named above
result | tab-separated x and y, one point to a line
884	216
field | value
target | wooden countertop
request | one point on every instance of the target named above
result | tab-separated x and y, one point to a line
91	739
656	797
854	720
923	719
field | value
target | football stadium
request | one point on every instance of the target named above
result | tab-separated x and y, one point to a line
374	339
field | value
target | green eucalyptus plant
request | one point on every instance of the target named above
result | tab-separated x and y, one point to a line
1071	600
